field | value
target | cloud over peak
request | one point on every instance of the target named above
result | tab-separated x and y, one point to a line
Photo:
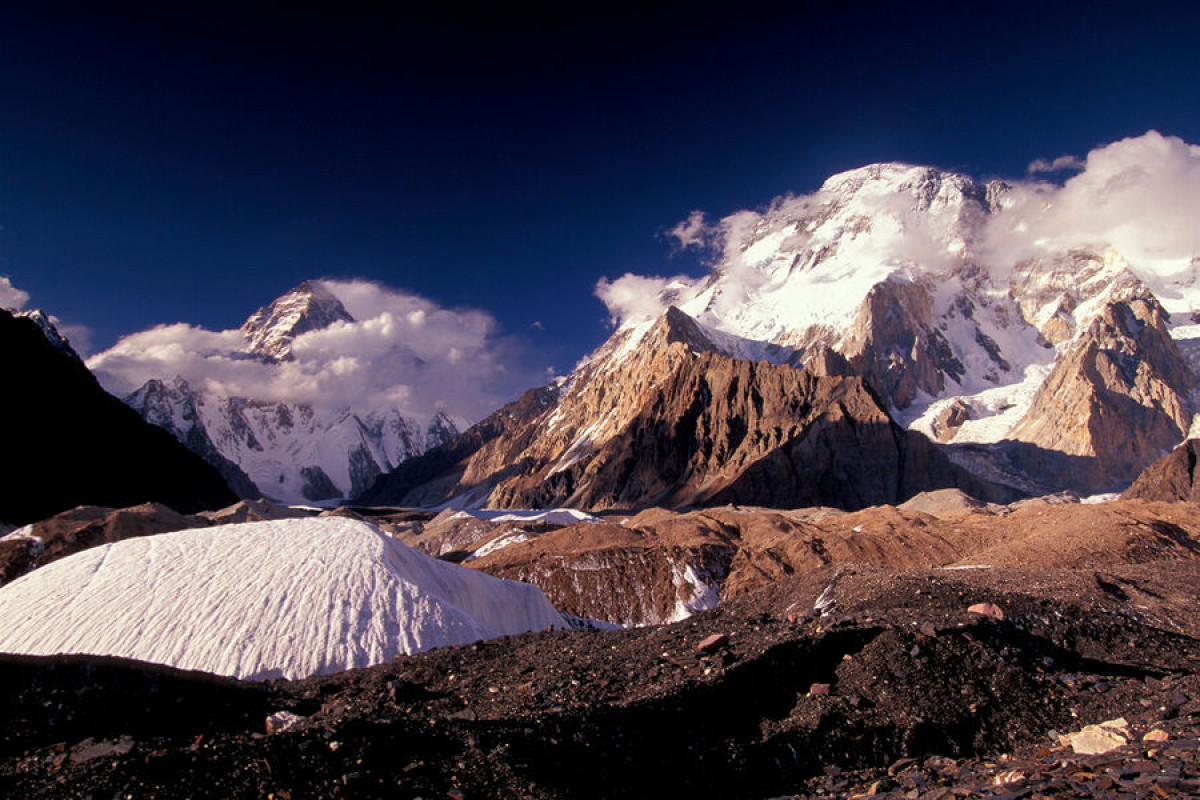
1138	195
400	351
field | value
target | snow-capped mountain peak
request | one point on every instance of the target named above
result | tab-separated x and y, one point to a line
295	452
269	331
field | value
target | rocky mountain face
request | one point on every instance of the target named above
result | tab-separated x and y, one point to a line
676	422
1117	397
1173	477
68	442
288	452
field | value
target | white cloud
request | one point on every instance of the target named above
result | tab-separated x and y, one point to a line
693	232
401	351
11	297
1059	164
636	298
1139	195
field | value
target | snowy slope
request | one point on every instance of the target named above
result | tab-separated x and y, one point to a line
292	453
284	598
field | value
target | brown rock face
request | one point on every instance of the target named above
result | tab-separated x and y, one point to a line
1172	477
1117	400
674	423
895	346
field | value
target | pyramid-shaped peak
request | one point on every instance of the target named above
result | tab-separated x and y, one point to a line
676	326
269	331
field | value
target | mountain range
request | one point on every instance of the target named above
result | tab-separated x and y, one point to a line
852	347
836	336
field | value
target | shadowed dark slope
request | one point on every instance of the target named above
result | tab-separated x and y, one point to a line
67	442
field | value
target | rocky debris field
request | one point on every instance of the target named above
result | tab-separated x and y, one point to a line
852	680
659	565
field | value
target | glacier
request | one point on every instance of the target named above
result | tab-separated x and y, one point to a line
275	599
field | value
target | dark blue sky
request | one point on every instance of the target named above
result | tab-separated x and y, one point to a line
190	165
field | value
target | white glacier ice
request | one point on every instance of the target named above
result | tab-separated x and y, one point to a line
283	598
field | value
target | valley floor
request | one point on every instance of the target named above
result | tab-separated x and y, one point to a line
888	686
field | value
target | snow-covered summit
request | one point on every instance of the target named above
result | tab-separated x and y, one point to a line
311	306
285	598
808	262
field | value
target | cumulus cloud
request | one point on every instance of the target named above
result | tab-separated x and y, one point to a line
632	299
11	297
1059	164
1138	195
401	351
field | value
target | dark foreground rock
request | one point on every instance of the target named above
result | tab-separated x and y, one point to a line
67	442
834	683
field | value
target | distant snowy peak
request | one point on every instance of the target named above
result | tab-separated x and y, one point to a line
269	331
930	188
798	272
287	451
